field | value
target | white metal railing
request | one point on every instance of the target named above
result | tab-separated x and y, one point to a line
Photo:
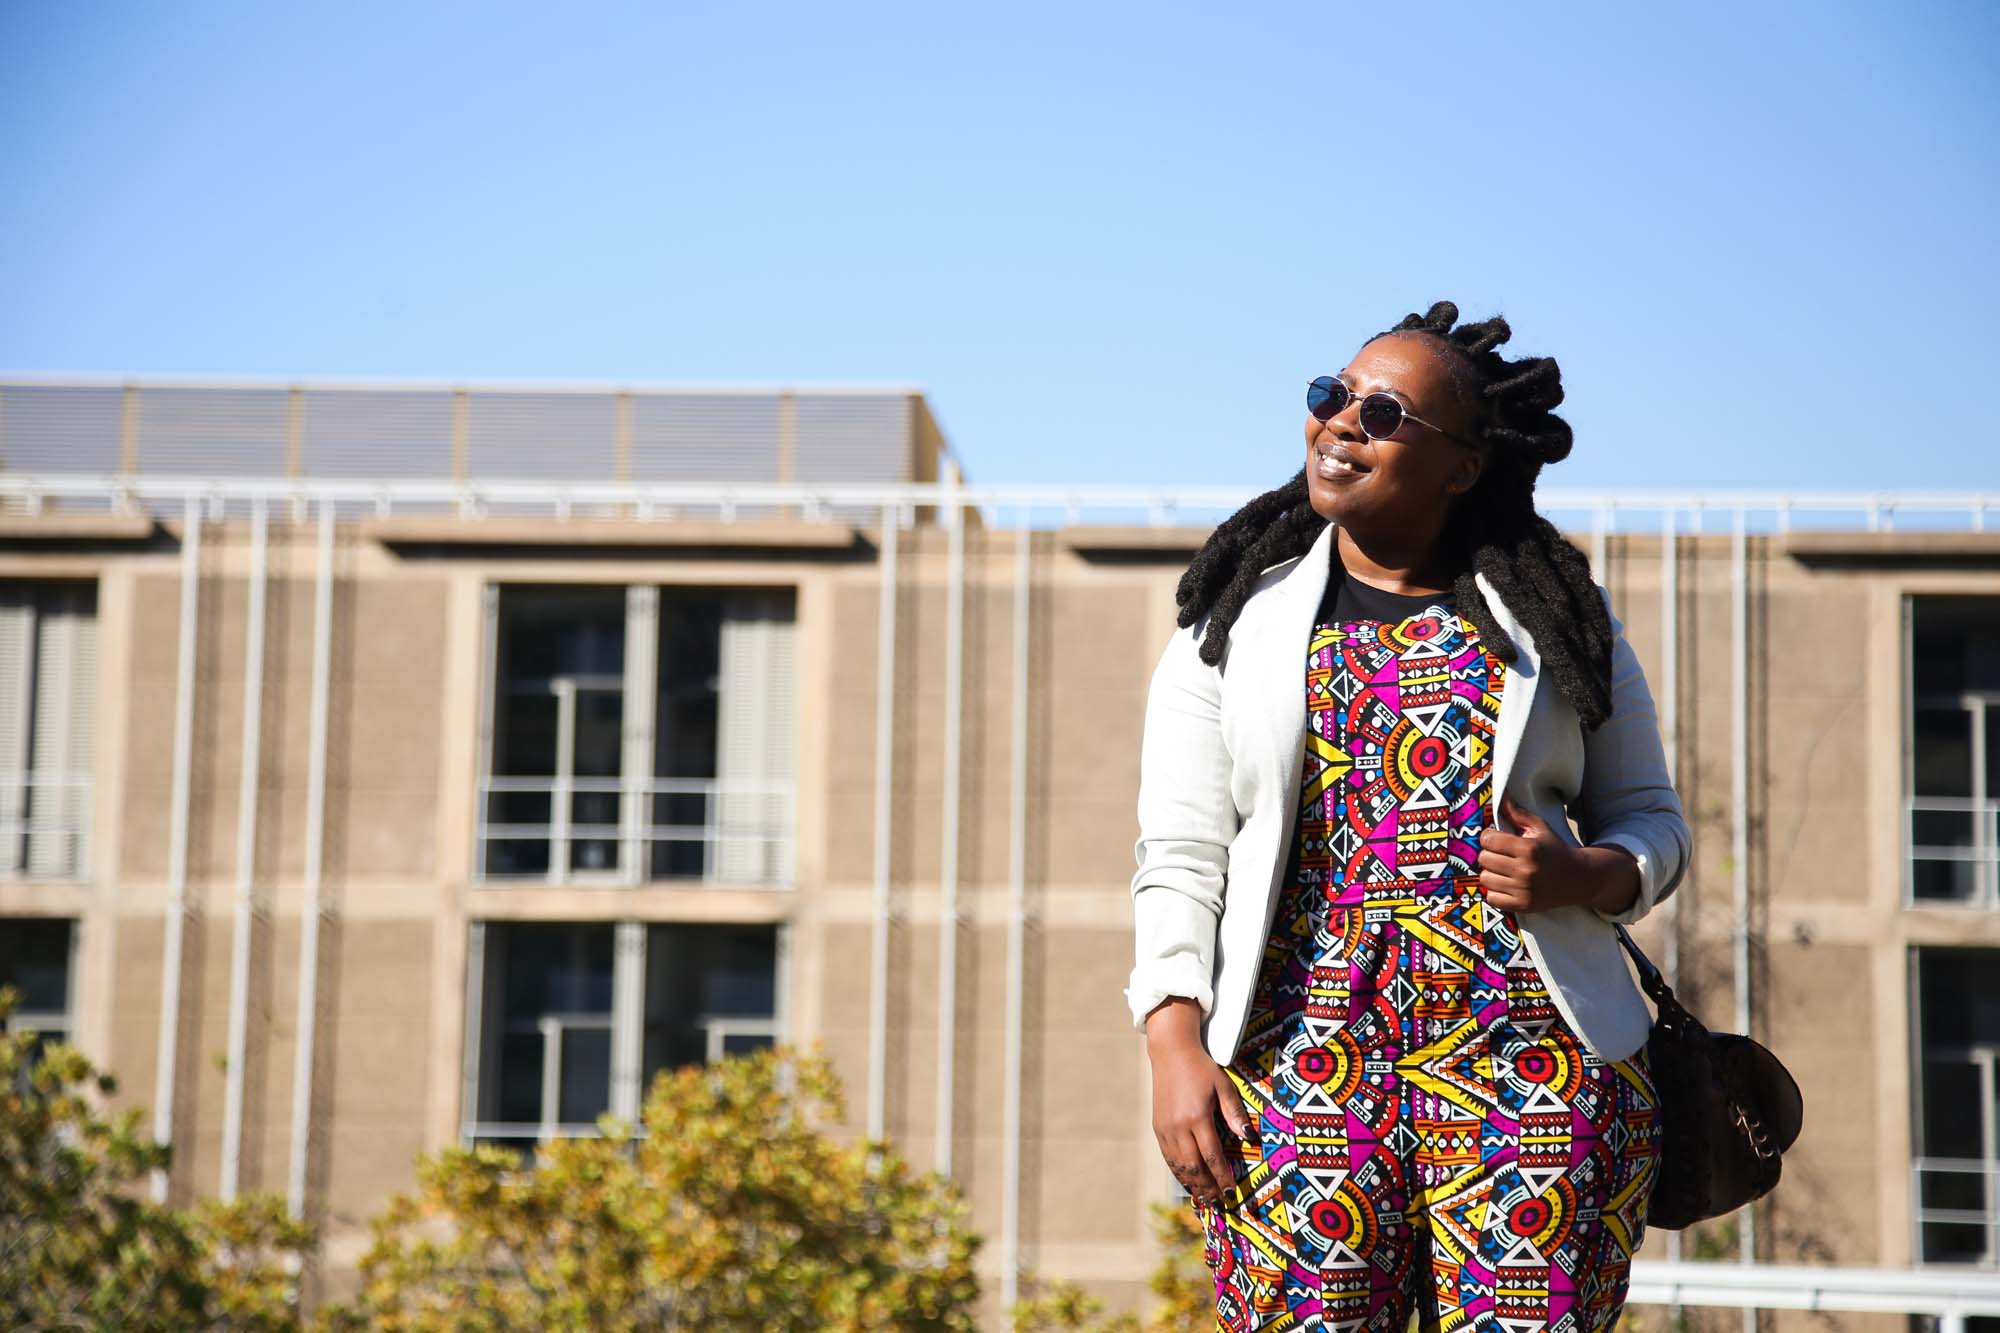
1603	511
744	834
44	825
1984	1218
1980	851
719	1033
1948	1295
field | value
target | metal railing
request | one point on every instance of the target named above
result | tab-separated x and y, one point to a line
730	831
1978	885
1948	1295
44	825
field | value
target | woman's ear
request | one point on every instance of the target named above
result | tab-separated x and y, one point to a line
1465	476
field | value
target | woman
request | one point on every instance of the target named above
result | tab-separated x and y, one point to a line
1398	1060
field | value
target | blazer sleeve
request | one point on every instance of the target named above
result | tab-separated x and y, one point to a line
1187	819
1628	797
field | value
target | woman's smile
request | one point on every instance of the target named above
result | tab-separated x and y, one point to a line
1334	461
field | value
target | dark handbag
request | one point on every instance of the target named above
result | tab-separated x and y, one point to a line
1728	1110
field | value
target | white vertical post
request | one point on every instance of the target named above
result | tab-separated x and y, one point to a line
1017	914
248	777
309	912
559	789
948	914
635	763
1739	852
475	1017
885	722
177	837
1670	712
628	1017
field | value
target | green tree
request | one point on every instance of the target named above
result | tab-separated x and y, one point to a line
733	1209
78	1250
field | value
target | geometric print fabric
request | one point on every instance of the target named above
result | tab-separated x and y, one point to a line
1431	1136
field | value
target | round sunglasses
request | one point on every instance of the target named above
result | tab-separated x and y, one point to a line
1381	415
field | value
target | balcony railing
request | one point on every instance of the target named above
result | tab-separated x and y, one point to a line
44	825
1957	1211
1954	850
565	830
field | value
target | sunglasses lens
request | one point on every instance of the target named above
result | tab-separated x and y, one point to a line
1325	397
1380	415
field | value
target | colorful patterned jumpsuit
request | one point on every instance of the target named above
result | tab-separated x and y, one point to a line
1432	1136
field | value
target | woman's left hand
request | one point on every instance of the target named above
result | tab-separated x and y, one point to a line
1537	869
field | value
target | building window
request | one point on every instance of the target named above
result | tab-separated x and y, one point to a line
639	734
48	699
37	959
1953	772
569	1020
1957	1050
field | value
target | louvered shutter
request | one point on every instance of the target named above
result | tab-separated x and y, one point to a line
755	736
17	632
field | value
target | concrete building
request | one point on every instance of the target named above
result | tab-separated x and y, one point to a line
389	766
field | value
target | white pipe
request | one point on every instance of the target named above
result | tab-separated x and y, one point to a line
1670	712
309	913
948	920
885	722
246	855
177	838
1739	833
1017	899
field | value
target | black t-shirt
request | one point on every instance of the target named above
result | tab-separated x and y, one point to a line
1350	599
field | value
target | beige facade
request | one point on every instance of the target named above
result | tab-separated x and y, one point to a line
409	897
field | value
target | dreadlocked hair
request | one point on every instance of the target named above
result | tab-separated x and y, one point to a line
1492	527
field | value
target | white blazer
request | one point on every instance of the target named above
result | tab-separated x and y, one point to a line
1219	772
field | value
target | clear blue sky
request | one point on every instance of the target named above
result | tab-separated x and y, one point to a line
1111	242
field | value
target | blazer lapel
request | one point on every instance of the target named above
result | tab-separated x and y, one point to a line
1517	692
1281	664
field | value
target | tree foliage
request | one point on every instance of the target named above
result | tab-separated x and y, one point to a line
80	1250
731	1207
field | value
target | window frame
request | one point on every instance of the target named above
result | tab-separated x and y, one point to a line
79	597
637	785
1982	805
626	1023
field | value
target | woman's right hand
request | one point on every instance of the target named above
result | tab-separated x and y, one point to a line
1188	1089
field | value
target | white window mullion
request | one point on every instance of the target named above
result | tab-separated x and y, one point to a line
469	1110
559	793
635	806
17	693
489	707
628	1017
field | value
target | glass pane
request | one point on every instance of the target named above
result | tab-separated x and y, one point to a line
1941	757
507	857
1944	881
690	658
524	735
600	721
1955	644
34	960
550	632
697	974
680	855
586	1075
537	970
1953	1243
1951	1116
1940	828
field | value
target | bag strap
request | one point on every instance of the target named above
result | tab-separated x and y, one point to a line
1655	985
